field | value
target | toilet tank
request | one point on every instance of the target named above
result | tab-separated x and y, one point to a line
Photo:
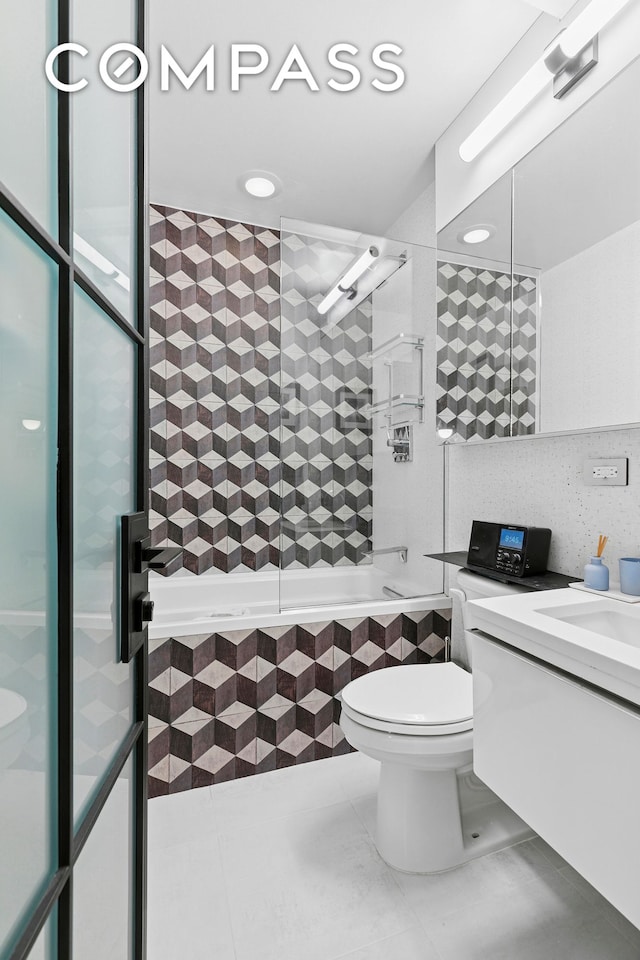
472	586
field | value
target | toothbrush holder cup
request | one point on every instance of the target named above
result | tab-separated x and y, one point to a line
630	576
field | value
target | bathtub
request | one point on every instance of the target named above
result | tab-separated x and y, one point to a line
245	669
186	604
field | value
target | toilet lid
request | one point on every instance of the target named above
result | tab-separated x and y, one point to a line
12	706
423	694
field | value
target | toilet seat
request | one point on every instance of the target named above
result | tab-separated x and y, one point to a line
13	709
419	700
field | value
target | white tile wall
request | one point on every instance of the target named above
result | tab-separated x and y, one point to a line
407	497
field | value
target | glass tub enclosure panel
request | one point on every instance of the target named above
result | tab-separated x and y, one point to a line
326	395
354	318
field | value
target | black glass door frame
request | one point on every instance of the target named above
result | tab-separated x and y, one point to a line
58	895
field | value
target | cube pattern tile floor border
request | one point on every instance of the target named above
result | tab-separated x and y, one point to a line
229	705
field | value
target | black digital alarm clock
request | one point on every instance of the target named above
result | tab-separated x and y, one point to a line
505	548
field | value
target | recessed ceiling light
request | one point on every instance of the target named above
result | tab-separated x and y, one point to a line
261	187
477	235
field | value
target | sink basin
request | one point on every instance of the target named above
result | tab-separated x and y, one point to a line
599	618
596	639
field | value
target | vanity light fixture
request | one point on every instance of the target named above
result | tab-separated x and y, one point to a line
346	285
566	60
31	425
588	24
445	433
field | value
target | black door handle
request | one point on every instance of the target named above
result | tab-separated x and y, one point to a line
137	558
159	558
143	611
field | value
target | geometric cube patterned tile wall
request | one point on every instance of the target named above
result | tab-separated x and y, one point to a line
524	352
326	430
224	462
486	351
242	702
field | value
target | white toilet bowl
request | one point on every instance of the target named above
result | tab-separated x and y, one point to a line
433	812
417	721
14	727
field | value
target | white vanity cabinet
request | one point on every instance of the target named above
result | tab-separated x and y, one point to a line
566	757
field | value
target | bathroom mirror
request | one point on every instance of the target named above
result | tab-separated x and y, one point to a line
474	316
562	231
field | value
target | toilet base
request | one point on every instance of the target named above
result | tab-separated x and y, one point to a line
430	822
433	813
418	822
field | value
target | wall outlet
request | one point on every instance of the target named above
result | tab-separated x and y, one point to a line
606	473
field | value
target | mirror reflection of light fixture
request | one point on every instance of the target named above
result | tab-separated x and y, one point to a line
561	60
347	282
336	293
476	234
105	266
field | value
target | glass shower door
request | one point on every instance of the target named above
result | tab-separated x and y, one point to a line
108	480
28	578
73	418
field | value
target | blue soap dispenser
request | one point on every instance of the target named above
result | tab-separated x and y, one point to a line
596	575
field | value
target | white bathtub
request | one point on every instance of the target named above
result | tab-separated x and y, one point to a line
187	605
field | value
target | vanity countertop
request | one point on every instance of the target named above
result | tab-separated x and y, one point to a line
594	638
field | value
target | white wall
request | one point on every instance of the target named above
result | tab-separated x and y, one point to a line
538	482
408	497
590	336
459	183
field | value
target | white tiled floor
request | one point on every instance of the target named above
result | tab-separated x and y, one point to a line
282	866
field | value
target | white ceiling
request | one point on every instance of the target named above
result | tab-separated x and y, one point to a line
353	159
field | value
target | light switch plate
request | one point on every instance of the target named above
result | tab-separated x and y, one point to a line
612	472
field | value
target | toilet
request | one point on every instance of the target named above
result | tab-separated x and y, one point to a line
417	720
14	727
